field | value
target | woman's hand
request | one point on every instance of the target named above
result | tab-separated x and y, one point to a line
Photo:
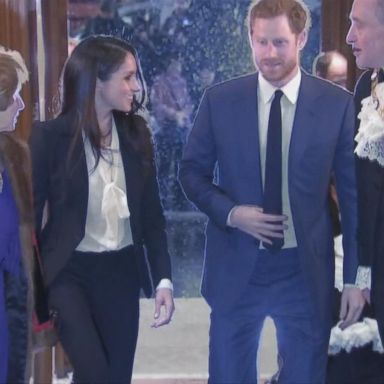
163	298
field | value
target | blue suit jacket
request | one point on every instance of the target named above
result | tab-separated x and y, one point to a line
225	134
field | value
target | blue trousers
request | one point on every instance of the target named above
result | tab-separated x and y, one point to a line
276	289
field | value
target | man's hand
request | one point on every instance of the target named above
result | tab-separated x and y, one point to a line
251	219
367	295
352	304
163	298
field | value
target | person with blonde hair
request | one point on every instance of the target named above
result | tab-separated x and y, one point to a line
16	226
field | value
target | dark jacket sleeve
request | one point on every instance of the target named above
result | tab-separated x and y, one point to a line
197	168
154	229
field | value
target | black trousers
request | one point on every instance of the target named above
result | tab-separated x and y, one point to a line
95	299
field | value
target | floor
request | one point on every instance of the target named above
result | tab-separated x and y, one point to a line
178	353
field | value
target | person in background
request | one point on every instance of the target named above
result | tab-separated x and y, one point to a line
107	22
105	237
16	228
270	252
202	79
332	66
172	109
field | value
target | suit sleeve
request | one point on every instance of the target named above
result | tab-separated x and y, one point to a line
345	175
154	230
198	165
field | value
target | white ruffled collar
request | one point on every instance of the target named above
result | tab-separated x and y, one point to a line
370	137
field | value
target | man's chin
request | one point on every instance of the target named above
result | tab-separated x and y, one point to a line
273	78
360	63
269	76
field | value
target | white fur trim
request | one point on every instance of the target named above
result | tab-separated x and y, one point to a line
355	336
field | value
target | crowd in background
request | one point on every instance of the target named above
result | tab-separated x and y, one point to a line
208	39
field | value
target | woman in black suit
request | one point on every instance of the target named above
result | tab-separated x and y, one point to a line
104	237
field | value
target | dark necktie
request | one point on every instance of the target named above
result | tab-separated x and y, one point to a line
272	202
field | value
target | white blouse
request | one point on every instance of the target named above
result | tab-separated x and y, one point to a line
107	225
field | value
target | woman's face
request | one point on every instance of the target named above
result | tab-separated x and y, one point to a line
8	118
118	91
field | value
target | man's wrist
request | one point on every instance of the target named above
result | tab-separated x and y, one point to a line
230	217
165	283
350	286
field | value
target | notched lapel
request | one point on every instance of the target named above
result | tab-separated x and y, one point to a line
305	121
76	170
131	164
78	175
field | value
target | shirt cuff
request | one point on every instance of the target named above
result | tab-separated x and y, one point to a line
363	277
229	223
165	283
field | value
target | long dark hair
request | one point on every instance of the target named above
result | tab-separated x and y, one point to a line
98	57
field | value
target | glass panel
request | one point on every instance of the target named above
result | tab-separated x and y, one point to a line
184	46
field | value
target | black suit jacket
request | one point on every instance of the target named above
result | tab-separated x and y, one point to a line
64	186
370	182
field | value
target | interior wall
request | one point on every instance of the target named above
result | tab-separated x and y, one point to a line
335	26
55	45
18	30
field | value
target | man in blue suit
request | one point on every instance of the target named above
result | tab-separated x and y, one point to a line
261	262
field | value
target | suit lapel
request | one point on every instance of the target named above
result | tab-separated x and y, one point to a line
304	122
76	170
79	175
131	164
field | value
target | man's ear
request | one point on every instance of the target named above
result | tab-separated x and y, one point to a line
250	38
302	39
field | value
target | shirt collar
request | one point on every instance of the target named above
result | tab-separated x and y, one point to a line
290	90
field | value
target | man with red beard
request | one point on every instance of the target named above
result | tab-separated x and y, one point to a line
258	162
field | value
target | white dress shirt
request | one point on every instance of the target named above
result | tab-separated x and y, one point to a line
288	108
